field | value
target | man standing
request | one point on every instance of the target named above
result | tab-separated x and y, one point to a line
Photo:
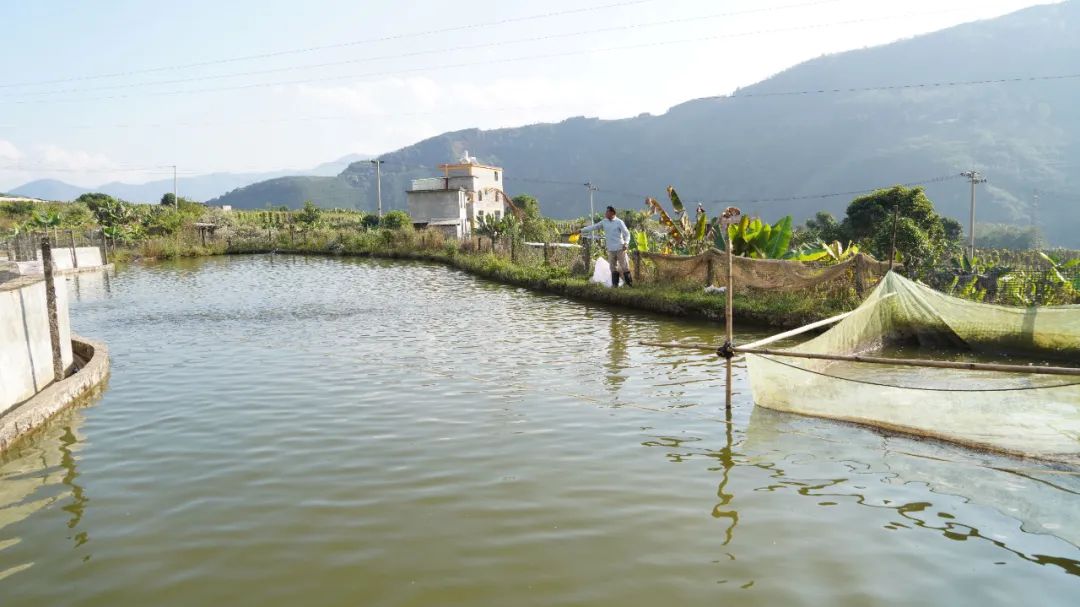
617	237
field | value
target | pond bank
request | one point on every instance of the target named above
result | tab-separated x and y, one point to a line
774	309
769	309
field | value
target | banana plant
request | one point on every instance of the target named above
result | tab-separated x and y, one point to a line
757	239
1057	267
684	235
674	230
834	252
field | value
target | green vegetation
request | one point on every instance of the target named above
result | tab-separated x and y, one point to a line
924	240
162	231
1008	236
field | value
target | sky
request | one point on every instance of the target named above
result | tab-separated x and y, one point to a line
119	90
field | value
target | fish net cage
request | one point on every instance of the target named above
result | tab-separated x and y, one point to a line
1034	414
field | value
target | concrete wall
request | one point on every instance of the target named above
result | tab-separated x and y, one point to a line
427	206
25	346
33	413
88	257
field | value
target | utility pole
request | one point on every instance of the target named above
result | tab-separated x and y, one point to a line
378	184
975	178
591	188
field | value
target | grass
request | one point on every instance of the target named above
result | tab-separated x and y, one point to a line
776	309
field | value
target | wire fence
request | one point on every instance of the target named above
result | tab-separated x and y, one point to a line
1007	278
1044	284
26	246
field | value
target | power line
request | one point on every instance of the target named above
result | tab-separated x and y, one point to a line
483	45
212	123
311	49
896	87
357	77
830	194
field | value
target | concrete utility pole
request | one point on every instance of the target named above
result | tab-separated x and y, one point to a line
591	188
975	178
378	184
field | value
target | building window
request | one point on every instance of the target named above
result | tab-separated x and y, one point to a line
496	175
480	213
498	214
480	195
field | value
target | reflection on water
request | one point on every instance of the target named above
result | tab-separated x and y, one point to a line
283	431
617	356
36	475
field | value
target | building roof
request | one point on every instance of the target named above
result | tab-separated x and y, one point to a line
447	167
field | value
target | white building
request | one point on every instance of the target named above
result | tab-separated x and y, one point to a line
459	200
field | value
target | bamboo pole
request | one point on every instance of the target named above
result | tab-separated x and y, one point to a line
906	362
919	362
729	311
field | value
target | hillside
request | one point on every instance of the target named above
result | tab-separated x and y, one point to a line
1022	135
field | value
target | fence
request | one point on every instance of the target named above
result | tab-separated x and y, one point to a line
1033	284
26	246
856	275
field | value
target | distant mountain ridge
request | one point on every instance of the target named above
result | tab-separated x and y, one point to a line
772	144
199	187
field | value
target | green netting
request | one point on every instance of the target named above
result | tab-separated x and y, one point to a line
1026	414
710	268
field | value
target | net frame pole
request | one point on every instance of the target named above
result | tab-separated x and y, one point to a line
906	362
729	310
918	362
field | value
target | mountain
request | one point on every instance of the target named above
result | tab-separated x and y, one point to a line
199	187
48	189
771	141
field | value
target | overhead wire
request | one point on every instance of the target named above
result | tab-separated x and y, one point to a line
482	45
504	60
351	43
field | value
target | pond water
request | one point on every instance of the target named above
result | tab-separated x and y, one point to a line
314	431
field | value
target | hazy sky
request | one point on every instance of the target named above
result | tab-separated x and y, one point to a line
348	76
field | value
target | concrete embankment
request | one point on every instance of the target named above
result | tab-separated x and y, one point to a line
91	365
43	368
26	356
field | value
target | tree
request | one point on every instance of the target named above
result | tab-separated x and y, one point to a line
822	227
370	221
1008	236
923	238
108	211
507	225
310	215
396	220
534	226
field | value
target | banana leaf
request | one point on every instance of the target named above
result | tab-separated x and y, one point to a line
676	202
780	238
701	227
665	219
